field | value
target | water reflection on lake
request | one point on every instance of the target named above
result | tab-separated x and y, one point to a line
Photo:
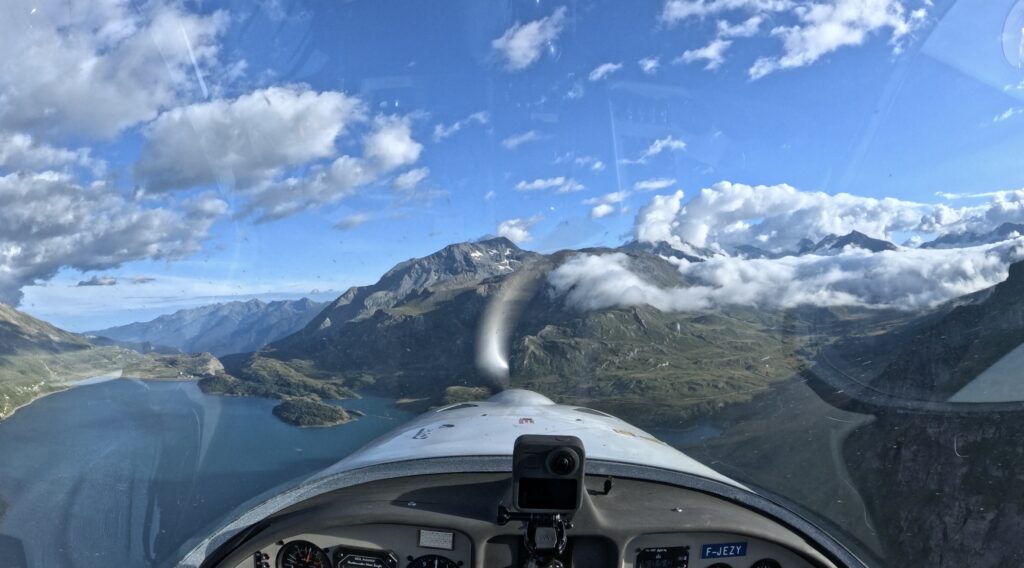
129	473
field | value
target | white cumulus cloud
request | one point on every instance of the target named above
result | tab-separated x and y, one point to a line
20	151
613	197
653	184
675	11
808	30
656	221
1007	114
592	163
746	28
351	221
410	179
713	54
908	279
602	210
388	146
826	27
517	140
604	205
243	141
97	68
49	222
594	282
778	217
442	131
523	44
668	143
561	184
774	217
518	230
649	65
603	70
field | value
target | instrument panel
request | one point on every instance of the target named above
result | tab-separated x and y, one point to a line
400	546
707	550
451	521
368	546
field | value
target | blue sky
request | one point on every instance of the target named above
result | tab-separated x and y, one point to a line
909	100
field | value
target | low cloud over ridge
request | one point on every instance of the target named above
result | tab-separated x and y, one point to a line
777	217
909	279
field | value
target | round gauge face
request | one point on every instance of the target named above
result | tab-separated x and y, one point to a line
302	554
766	563
432	561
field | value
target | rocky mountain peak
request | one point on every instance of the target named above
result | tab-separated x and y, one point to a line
454	266
970	238
458	261
836	243
1012	287
1008	230
688	252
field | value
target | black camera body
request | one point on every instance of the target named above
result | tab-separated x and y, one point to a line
547	474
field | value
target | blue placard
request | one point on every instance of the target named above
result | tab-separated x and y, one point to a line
723	550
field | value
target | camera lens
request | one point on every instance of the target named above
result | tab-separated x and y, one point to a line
562	462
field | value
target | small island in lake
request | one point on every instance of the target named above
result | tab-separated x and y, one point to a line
308	412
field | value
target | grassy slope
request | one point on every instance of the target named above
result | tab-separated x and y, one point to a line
655	368
28	376
648	366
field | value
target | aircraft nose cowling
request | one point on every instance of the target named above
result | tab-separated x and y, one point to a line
520	397
490	428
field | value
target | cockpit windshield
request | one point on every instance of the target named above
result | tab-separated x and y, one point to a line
241	240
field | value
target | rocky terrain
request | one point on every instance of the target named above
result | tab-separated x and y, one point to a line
947	350
941	488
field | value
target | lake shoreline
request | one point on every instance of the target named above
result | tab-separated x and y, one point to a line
41	396
98	379
155	461
63	386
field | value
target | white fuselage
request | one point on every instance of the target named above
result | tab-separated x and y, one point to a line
489	428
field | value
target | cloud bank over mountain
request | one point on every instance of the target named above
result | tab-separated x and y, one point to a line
907	279
778	217
730	221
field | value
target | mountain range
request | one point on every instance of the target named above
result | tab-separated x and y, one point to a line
220	329
830	244
836	243
413	335
969	238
